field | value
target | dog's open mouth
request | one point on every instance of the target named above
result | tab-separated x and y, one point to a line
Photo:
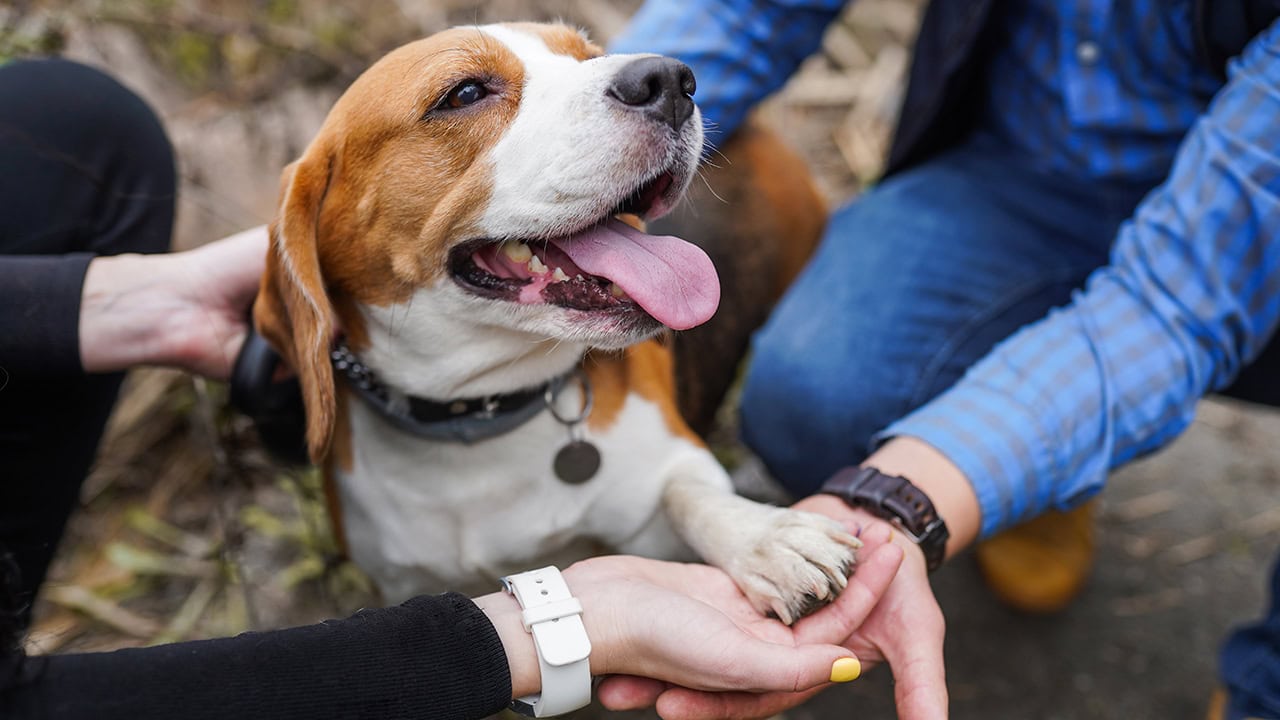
608	267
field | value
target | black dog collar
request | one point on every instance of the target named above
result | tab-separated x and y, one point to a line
278	414
467	421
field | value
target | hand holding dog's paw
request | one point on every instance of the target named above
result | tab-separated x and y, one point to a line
794	563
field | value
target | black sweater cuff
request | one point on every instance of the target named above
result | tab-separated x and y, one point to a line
40	327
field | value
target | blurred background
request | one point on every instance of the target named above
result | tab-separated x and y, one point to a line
188	531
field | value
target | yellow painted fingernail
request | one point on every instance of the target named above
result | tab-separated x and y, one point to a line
845	669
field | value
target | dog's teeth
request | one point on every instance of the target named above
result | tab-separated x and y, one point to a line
617	291
536	267
559	276
517	251
578	277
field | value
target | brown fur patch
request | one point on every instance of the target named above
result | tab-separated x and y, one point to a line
796	209
562	40
646	369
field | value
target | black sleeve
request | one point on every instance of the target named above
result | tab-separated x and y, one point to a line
435	657
40	313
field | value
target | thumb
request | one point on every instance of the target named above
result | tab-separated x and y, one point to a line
760	666
816	665
628	692
920	684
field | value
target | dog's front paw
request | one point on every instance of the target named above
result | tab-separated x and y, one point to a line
794	563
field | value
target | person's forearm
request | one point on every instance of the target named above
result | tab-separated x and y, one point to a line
433	656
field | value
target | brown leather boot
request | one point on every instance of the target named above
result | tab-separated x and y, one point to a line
1041	565
1217	705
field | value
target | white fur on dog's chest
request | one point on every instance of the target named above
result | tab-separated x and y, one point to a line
423	516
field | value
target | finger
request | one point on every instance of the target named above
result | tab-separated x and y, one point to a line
628	692
680	703
837	621
920	683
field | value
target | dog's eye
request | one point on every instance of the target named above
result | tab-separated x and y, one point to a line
465	94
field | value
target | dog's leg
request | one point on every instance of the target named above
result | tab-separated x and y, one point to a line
785	561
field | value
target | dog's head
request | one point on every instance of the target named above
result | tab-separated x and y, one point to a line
465	187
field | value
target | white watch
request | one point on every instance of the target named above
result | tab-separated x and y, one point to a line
554	617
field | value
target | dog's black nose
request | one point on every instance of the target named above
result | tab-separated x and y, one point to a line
660	87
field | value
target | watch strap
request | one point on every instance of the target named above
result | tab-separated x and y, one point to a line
554	618
896	499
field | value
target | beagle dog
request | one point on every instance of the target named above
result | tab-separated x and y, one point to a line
500	396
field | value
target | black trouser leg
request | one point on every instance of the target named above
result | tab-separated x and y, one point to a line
85	167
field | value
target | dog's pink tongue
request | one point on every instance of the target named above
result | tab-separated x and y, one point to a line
673	280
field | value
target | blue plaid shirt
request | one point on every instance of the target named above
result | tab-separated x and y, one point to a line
1192	292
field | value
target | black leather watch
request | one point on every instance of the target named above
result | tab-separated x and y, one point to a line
895	499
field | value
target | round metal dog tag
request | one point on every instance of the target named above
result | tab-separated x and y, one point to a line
577	462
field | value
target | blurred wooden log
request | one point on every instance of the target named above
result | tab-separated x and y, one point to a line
824	88
843	49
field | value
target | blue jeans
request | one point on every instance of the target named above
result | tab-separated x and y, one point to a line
1250	663
915	281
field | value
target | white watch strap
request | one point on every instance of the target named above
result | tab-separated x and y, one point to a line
554	618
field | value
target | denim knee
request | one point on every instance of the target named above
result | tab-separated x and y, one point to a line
807	415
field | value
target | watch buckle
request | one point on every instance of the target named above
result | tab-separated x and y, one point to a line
917	538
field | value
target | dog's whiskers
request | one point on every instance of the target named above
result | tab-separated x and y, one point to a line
708	150
710	189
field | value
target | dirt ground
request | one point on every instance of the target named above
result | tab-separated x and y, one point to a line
187	531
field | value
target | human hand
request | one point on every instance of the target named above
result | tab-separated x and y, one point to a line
905	628
658	622
186	309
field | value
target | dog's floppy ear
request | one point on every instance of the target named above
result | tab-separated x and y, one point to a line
293	311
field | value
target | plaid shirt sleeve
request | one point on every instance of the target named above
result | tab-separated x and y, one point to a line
1191	294
739	50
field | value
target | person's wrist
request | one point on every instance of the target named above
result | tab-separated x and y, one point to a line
941	480
913	554
897	500
122	313
585	580
589	581
522	657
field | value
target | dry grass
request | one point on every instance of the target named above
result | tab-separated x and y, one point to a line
186	529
